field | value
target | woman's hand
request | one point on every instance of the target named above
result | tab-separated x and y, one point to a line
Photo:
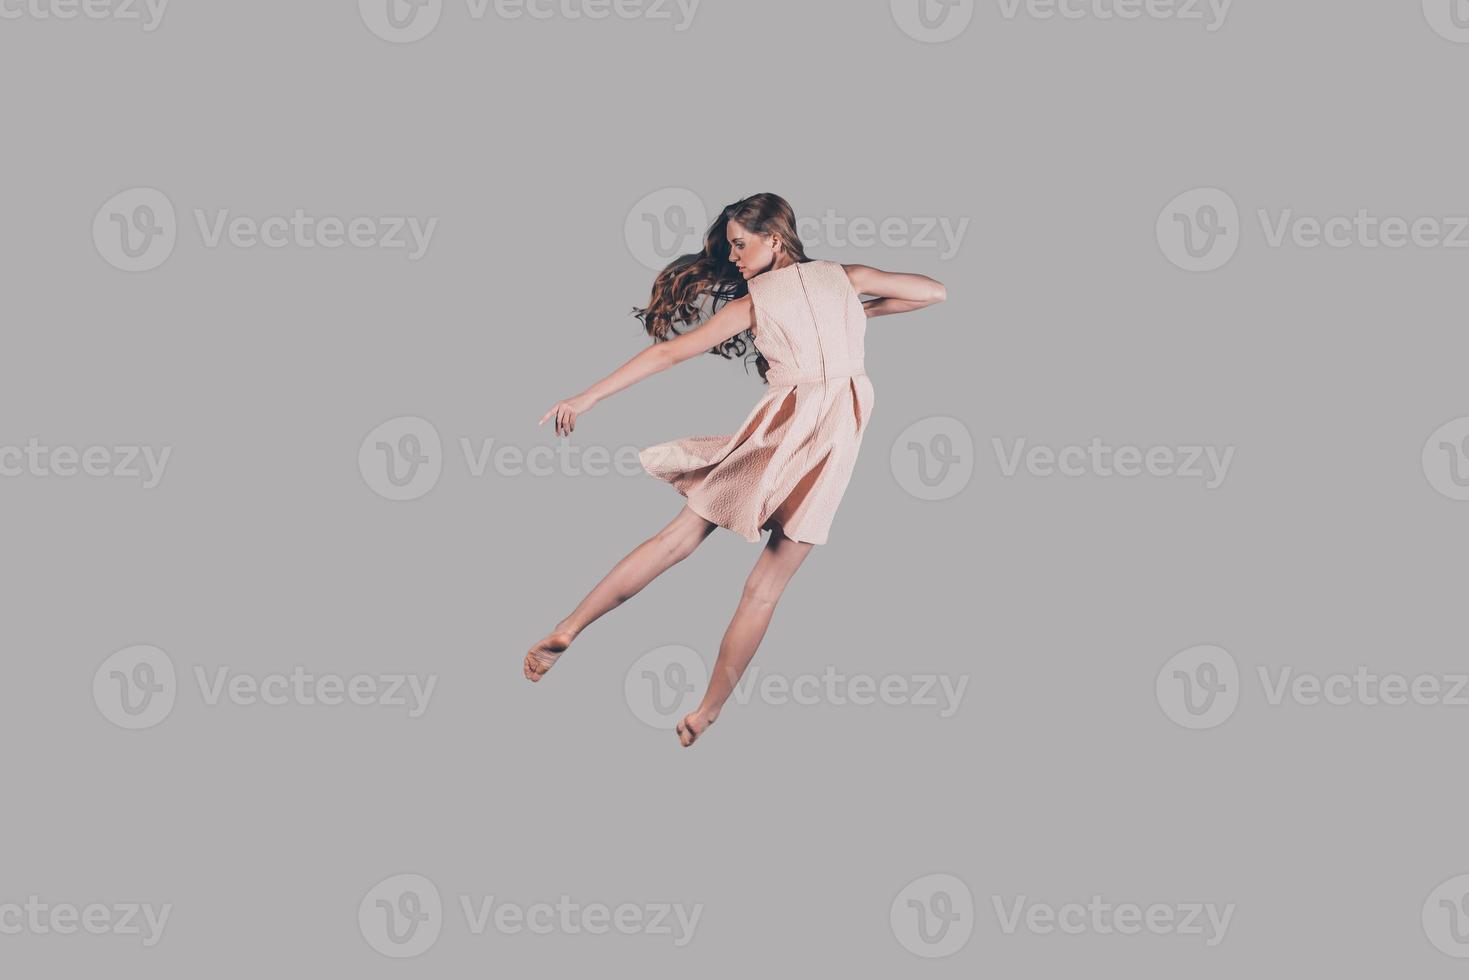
566	412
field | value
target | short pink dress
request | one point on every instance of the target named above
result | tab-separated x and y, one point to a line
791	460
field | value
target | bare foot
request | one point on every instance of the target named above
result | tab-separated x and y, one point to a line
542	657
693	725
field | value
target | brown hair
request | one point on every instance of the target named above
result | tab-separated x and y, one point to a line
677	290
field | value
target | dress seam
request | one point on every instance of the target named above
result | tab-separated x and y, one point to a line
821	354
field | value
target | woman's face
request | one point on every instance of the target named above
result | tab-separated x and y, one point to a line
752	252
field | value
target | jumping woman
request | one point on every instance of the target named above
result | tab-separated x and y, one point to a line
787	467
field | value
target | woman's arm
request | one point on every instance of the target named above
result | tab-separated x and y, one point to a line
895	292
733	317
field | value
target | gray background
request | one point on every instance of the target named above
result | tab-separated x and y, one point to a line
795	826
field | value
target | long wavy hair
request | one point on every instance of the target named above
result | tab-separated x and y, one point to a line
690	282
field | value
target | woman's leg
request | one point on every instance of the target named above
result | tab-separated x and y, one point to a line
774	568
639	567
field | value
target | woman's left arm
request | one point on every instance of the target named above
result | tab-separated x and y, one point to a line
733	317
894	292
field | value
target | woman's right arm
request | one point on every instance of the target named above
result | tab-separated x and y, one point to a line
733	317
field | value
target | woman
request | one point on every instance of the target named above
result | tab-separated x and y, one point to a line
788	466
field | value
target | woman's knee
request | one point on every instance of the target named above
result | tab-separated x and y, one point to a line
681	537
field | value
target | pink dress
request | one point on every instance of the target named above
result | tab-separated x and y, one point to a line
789	463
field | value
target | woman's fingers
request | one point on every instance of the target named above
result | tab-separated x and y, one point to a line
565	417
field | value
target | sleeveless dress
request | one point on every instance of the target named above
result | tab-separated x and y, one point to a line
791	460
